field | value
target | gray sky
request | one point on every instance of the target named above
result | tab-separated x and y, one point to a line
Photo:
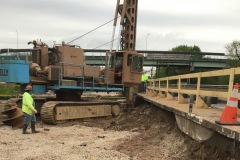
209	24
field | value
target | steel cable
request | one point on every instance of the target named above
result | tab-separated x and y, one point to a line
92	30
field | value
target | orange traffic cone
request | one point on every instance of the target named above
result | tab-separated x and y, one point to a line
229	114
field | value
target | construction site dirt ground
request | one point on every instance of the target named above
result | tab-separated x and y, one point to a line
146	133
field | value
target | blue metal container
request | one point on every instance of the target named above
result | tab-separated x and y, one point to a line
39	89
14	71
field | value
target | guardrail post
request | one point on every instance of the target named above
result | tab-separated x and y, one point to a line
160	94
231	80
199	101
153	86
150	82
169	96
198	88
150	85
181	99
154	92
159	85
179	88
167	84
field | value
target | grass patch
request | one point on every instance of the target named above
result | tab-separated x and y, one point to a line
9	89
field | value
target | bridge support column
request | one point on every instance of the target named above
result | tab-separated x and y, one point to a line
193	129
209	101
192	98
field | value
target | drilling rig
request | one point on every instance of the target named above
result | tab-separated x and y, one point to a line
62	69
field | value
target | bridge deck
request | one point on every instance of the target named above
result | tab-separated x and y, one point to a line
202	116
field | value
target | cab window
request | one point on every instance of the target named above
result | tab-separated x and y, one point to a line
119	62
111	61
137	63
129	60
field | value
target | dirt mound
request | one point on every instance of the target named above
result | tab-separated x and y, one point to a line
159	138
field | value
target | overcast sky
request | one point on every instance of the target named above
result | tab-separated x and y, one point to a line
209	24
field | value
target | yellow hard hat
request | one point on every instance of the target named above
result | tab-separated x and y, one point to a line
28	88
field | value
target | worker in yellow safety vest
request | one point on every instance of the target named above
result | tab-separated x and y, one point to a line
29	111
144	81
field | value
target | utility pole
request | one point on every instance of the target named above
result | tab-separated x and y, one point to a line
153	55
17	38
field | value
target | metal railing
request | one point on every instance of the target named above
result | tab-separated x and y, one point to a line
94	86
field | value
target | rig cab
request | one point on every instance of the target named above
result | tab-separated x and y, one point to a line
125	66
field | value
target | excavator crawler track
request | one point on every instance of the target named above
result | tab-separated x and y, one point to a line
55	111
47	112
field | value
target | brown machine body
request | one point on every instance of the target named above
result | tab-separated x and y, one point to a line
63	60
63	69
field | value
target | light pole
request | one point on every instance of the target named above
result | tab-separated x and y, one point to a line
146	44
146	40
146	50
17	38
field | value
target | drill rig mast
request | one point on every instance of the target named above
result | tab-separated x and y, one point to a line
128	23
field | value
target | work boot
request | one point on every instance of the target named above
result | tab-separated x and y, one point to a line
33	128
25	129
